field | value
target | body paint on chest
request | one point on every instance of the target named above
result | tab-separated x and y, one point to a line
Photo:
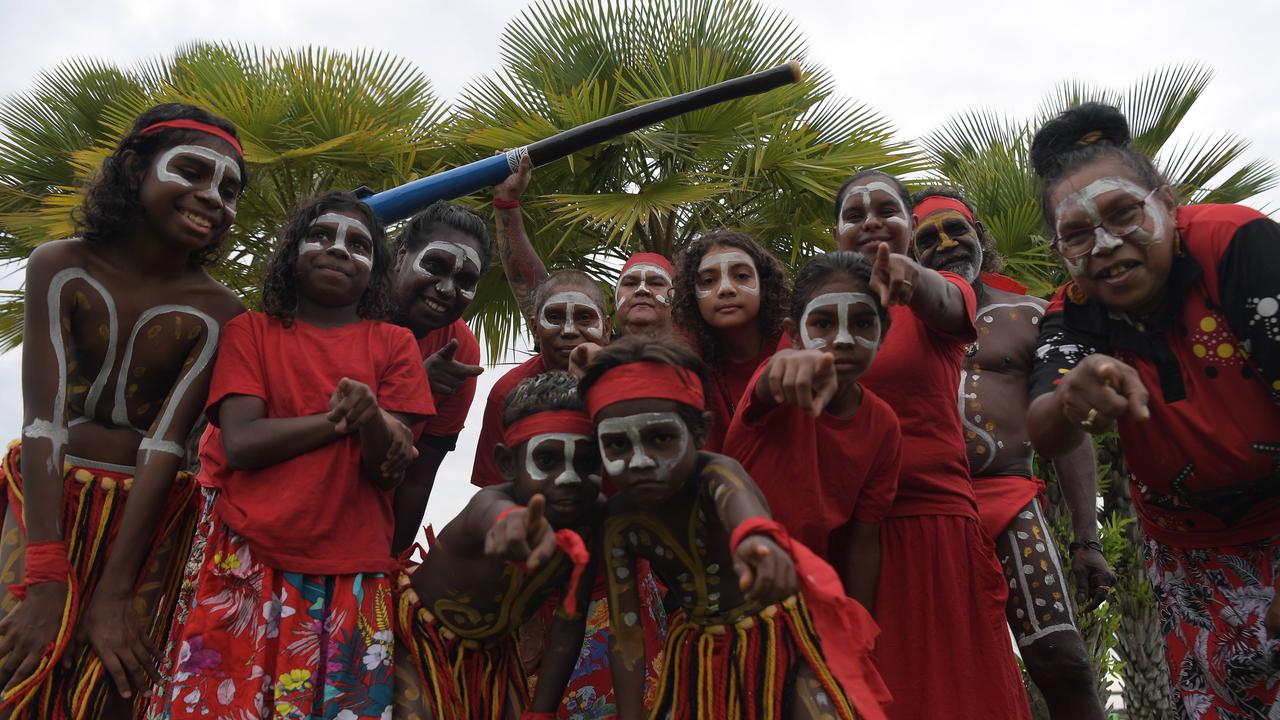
864	193
726	261
461	255
842	301
571	299
222	164
341	224
643	269
632	426
569	475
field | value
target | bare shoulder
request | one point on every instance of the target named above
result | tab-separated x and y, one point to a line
214	298
47	259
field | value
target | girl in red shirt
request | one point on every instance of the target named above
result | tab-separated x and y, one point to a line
292	612
731	297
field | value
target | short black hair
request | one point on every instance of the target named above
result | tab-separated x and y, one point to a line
1081	135
821	269
903	193
572	277
634	349
111	203
548	391
991	259
451	215
279	288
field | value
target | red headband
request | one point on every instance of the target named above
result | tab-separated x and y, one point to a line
645	380
574	422
934	203
650	259
185	124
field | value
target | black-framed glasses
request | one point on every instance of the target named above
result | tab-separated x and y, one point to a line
1119	222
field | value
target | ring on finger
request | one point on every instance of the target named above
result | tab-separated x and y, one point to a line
908	283
1087	422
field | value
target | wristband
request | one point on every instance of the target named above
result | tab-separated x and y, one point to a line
1091	544
501	204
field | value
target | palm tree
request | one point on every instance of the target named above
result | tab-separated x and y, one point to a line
985	155
310	120
768	164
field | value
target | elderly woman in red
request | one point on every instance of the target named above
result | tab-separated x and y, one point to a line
1170	331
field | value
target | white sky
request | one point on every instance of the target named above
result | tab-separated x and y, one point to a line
916	62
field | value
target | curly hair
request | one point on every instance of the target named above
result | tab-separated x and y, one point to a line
414	233
903	193
991	258
665	350
822	269
111	203
774	284
1081	135
556	390
279	288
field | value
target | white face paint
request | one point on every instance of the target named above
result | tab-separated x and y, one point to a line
841	301
571	299
567	476
461	255
633	426
726	261
1104	242
863	192
222	166
642	270
341	225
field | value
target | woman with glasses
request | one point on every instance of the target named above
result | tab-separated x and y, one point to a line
1169	332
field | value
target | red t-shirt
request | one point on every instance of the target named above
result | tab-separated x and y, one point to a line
725	388
314	513
1205	468
917	371
213	461
451	412
818	474
484	471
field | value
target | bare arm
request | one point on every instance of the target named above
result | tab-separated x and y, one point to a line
899	280
861	571
414	493
253	441
523	267
563	648
1077	472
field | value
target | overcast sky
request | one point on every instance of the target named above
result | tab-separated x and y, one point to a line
916	62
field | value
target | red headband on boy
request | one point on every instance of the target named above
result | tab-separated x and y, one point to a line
934	203
647	258
645	380
574	422
185	124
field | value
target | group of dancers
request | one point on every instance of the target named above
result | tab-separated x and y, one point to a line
716	492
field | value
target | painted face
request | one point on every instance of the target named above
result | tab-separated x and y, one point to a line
335	258
190	192
946	240
870	213
434	284
643	296
1130	227
647	449
567	319
341	235
565	469
727	287
841	319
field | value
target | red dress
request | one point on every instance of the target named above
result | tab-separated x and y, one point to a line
726	385
942	593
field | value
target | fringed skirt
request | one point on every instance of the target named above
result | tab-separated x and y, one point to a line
92	507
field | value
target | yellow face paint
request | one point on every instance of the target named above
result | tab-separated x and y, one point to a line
937	221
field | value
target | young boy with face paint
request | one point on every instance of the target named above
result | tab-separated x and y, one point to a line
121	328
744	642
292	609
792	433
993	407
440	256
938	566
1169	332
731	298
514	546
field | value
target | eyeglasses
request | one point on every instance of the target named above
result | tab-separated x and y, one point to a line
1120	222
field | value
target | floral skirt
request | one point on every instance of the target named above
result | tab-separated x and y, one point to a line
1213	603
263	643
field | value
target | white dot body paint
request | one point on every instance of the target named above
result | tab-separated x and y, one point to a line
567	476
725	261
643	269
222	164
571	299
342	224
842	301
1103	240
461	254
632	426
864	192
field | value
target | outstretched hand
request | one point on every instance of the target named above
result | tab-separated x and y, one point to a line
1100	390
803	378
445	374
580	356
351	406
523	536
765	572
893	277
516	183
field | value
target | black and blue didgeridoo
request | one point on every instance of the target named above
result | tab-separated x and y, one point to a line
400	202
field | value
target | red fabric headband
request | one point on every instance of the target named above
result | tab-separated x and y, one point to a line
934	203
574	422
650	259
645	380
185	124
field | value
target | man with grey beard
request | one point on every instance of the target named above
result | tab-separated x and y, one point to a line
993	400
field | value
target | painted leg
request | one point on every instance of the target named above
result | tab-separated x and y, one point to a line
1039	613
809	700
410	701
